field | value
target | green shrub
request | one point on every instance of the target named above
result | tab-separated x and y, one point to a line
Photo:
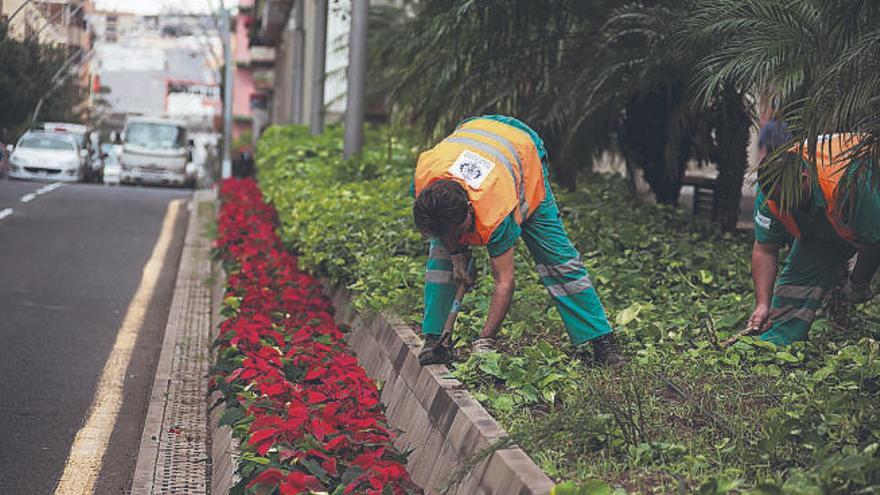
686	414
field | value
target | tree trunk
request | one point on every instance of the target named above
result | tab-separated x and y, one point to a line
562	168
643	140
731	157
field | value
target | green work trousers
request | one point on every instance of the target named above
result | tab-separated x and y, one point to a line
812	267
558	263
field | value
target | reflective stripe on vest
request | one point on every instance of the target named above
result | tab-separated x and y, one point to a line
523	202
518	183
498	166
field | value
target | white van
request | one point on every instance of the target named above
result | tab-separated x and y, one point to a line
155	151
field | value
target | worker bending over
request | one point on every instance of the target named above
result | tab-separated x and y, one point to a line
486	185
828	226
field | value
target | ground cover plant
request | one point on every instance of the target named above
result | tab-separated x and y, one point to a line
308	417
686	416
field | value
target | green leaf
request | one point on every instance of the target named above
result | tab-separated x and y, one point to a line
316	470
766	489
787	357
628	315
491	364
231	416
503	402
706	277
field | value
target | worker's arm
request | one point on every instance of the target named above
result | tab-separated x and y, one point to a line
502	294
461	272
764	275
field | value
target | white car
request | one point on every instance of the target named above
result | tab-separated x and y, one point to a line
47	155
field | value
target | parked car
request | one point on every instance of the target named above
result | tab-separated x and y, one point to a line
47	155
92	161
112	169
156	151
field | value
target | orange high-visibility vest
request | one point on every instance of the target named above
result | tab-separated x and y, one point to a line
832	156
498	166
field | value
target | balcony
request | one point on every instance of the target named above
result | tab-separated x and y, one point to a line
272	17
262	55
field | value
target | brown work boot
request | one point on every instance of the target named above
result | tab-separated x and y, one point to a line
606	351
434	351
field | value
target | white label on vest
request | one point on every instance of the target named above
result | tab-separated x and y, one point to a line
471	168
763	221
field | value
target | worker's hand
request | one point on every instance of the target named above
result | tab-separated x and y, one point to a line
760	319
460	273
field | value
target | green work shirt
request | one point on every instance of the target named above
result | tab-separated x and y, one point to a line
813	222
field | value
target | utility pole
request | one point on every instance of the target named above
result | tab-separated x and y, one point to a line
316	113
357	74
299	63
226	170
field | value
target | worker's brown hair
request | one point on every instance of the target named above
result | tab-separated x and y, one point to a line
441	205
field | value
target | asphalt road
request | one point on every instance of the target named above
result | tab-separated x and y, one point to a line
70	261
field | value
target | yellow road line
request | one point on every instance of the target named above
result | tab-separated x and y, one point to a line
87	452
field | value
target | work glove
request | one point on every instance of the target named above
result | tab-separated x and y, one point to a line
856	293
460	272
483	345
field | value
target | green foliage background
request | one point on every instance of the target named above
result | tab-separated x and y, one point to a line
685	416
27	70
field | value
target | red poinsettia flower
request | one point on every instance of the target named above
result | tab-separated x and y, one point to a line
304	395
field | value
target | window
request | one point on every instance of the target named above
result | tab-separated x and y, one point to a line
46	143
155	136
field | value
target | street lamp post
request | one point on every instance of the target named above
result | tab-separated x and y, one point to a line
299	62
316	112
357	74
226	170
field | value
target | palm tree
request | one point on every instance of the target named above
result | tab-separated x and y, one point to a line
644	68
442	60
822	59
590	76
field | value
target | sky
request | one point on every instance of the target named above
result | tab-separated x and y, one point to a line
156	6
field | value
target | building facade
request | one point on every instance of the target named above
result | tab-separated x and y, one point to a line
288	27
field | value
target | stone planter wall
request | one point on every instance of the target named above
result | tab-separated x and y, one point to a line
437	418
224	448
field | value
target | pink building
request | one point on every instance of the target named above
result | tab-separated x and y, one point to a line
250	83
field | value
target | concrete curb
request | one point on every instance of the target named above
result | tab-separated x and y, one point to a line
174	450
224	447
437	418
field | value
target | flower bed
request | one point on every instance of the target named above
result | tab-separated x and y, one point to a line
685	415
308	417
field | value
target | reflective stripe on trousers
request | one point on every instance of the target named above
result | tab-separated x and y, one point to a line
811	268
559	265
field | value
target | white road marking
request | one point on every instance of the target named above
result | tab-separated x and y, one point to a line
87	452
47	188
27	198
5	213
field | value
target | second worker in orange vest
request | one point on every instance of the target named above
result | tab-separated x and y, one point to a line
827	226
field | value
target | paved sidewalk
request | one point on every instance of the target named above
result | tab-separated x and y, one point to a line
174	455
